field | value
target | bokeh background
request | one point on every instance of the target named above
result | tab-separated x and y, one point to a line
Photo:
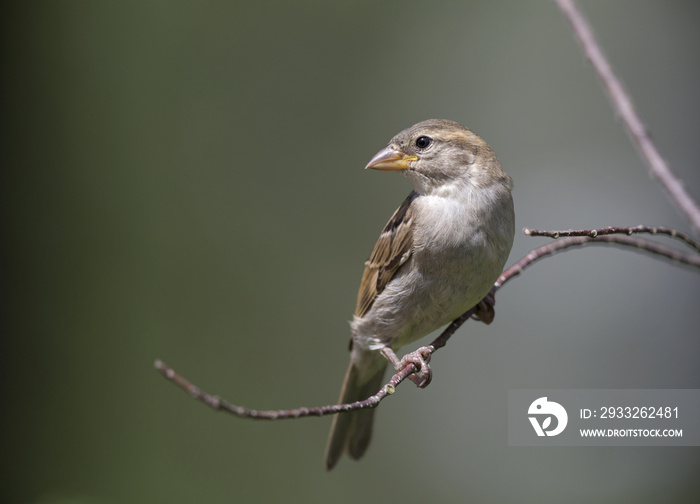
184	180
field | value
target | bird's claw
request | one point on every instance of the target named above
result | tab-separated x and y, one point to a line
419	359
485	309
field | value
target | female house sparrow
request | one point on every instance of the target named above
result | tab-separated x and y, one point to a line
437	257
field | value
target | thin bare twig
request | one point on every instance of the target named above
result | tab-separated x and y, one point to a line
516	269
592	233
642	245
577	241
219	404
624	108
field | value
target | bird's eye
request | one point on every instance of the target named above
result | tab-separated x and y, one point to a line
423	142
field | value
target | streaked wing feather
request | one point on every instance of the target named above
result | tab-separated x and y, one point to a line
391	250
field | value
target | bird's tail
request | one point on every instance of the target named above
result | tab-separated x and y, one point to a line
352	431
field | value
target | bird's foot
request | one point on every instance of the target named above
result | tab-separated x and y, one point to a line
418	358
485	309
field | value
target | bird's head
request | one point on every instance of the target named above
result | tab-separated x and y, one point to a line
437	152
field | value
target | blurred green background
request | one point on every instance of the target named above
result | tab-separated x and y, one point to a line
184	180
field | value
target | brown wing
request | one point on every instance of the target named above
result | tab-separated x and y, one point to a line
392	249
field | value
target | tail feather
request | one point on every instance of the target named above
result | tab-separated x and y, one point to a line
353	431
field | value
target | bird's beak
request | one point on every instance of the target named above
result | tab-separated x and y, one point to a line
390	158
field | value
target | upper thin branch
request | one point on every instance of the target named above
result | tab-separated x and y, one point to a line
624	108
592	233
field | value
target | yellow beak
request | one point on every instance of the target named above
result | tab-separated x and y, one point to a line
390	158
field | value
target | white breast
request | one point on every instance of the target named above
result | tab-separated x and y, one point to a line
459	249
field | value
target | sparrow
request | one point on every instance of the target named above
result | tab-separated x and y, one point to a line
437	257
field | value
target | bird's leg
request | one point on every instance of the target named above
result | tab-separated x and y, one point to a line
485	309
418	358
